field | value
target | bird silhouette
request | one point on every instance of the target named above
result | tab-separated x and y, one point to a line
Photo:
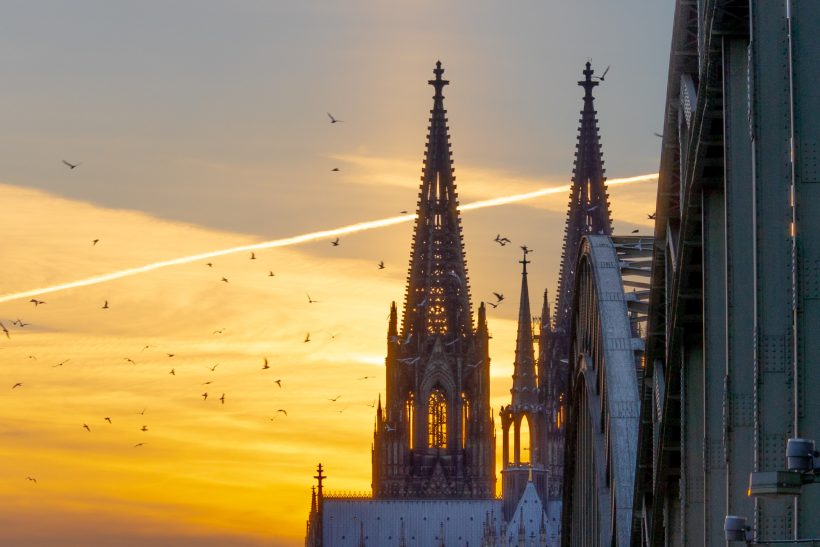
271	274
278	383
334	399
307	338
142	412
220	331
651	216
61	363
501	240
253	256
37	302
129	360
71	166
381	264
105	306
19	323
213	368
170	354
18	384
32	479
205	396
146	347
372	405
493	304
94	242
266	365
527	250
335	169
283	411
388	429
335	242
222	398
225	279
3	327
365	378
499	297
602	76
658	135
332	119
635	231
87	428
402	212
107	419
310	300
138	444
172	373
209	264
144	428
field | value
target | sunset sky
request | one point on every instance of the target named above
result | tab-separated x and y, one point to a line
201	126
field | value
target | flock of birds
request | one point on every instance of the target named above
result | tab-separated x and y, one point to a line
499	298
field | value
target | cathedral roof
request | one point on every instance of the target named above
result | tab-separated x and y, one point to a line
531	516
349	521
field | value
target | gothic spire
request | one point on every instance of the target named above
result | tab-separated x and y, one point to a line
524	389
437	299
589	204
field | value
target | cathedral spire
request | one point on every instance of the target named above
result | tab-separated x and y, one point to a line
589	202
437	299
524	390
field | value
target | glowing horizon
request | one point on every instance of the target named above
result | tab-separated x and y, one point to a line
304	238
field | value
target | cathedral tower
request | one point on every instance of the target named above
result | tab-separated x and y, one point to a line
588	213
525	417
434	436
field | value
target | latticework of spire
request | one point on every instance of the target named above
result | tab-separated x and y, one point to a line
524	389
437	299
588	203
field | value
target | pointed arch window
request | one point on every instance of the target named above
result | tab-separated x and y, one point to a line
465	418
437	419
410	422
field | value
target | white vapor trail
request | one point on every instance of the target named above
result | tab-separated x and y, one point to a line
304	238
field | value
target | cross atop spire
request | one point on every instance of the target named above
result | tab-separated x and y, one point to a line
438	83
319	477
588	83
525	262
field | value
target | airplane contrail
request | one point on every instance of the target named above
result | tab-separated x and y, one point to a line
304	238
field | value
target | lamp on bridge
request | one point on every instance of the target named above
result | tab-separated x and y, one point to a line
803	463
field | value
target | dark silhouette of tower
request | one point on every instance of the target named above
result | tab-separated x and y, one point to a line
525	416
434	436
588	214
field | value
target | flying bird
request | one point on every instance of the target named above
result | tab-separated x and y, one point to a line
365	377
278	383
651	216
283	411
144	428
37	302
307	338
87	428
493	304
71	166
381	264
170	354
213	368
142	412
388	429
220	331
635	231
209	264
18	384
334	399
501	240
475	365
402	212
107	419
225	279
335	242
266	365
32	479
499	297
94	242
253	256
19	323
129	360
3	327
205	396
310	300
61	363
332	119
373	404
138	444
602	76
105	306
592	208
527	250
271	274
146	347
222	398
658	135
172	373
335	169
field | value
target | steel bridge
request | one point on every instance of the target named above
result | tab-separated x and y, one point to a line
678	391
